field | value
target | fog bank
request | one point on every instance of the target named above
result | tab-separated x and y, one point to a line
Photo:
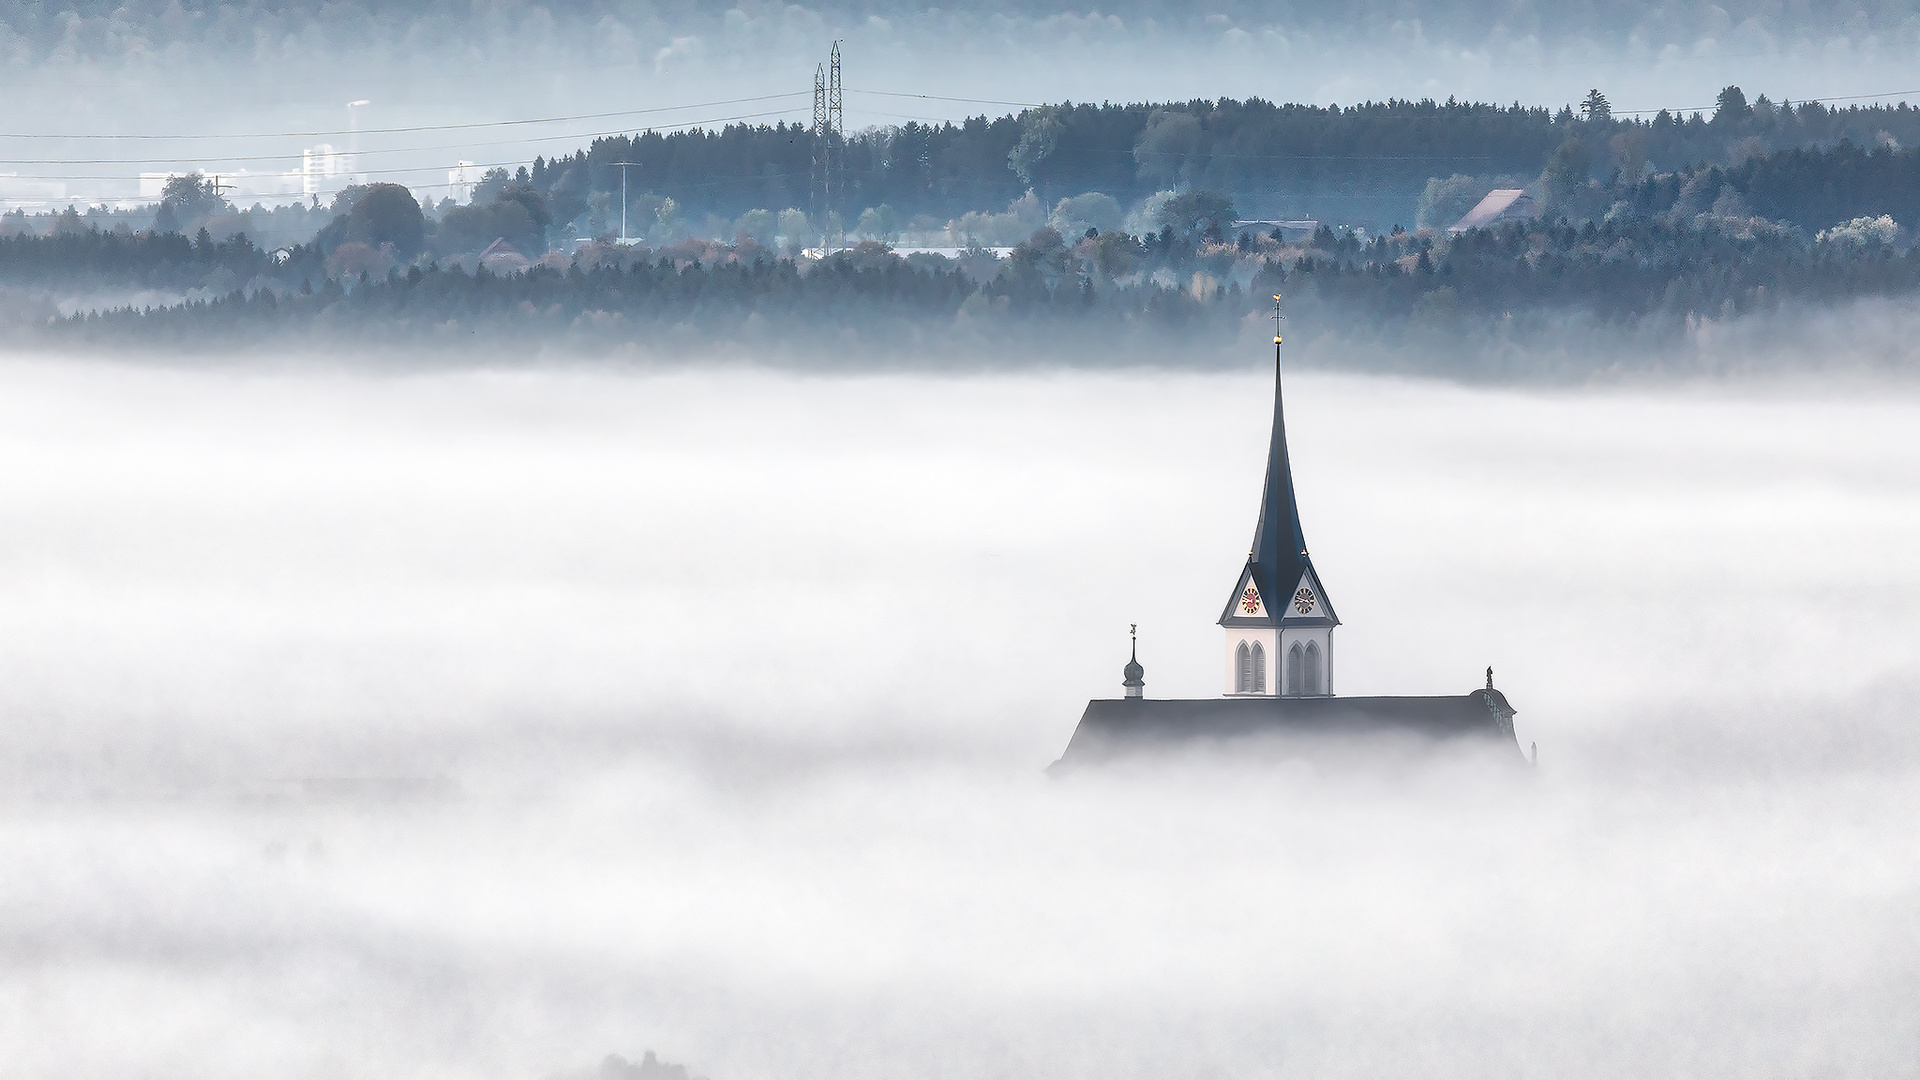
484	722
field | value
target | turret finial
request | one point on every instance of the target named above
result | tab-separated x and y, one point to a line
1134	676
1277	316
1489	678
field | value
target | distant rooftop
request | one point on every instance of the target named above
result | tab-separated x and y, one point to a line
1501	204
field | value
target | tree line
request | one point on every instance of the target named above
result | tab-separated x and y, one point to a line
1364	163
1648	275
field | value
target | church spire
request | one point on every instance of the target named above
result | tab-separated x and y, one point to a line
1279	547
1278	562
1278	621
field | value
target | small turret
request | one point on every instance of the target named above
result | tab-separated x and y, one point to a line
1135	680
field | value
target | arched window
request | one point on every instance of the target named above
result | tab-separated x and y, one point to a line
1293	669
1259	668
1312	664
1242	669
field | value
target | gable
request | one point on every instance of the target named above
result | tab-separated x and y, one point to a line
1247	601
1308	601
1246	606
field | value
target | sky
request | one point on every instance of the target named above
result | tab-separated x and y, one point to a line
242	89
484	722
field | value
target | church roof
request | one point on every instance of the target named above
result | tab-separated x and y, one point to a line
1279	557
1113	728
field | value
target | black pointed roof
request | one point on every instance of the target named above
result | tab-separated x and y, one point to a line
1279	556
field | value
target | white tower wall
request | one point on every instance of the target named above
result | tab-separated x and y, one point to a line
1250	636
1275	646
1320	682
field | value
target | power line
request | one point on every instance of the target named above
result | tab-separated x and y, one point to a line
424	127
401	149
369	172
705	185
1802	101
1042	105
665	109
963	100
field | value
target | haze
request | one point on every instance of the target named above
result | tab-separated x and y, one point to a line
480	723
198	69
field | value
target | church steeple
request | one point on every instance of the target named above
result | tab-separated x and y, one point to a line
1278	590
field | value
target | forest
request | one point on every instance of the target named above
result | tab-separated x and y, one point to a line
1363	164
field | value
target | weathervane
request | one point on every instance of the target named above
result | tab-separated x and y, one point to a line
1276	318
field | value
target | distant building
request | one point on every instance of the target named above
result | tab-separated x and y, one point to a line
503	258
461	180
319	165
1295	229
1279	625
1503	204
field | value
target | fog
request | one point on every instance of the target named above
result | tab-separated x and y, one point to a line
483	722
283	69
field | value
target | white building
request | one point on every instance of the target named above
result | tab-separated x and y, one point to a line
461	180
319	166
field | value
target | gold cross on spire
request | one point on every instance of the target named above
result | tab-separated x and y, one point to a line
1277	316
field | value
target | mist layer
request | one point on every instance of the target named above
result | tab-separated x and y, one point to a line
482	723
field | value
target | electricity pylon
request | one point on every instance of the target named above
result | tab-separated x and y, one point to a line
828	144
836	136
818	181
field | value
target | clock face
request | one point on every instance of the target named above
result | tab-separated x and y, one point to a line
1250	600
1303	601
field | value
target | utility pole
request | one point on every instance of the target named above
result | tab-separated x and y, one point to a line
624	166
219	187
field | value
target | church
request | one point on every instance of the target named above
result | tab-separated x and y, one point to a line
1278	658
